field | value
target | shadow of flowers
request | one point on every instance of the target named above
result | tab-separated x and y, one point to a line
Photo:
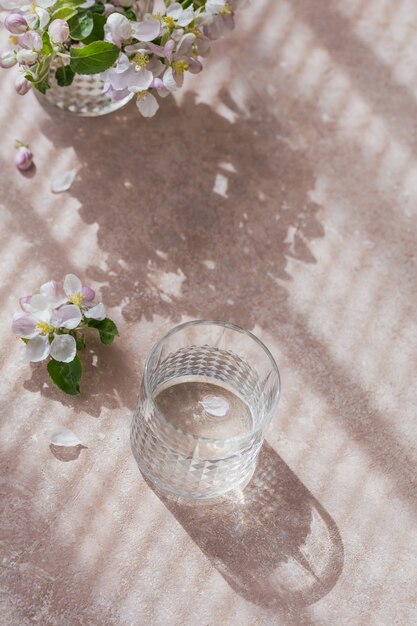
197	215
108	381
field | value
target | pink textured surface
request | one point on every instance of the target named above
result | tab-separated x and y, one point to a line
280	193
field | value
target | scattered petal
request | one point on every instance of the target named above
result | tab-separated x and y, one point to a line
62	437
63	181
215	405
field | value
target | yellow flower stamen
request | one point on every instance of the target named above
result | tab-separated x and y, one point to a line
141	60
227	9
180	66
141	95
195	31
76	298
169	21
13	40
44	327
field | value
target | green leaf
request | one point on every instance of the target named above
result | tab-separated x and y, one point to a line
81	26
131	15
98	7
94	58
107	329
64	76
97	34
64	13
41	85
80	342
46	44
66	376
72	4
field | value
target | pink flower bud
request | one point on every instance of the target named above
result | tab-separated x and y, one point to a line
16	23
58	31
26	57
7	59
22	85
31	40
23	158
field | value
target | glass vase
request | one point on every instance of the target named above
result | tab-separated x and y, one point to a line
86	96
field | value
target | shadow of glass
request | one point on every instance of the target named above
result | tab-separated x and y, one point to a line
273	542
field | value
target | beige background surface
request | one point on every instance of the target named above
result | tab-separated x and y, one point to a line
280	193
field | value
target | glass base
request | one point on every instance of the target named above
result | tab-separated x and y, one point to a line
85	97
190	496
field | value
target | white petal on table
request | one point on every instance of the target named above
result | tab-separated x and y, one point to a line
63	437
63	181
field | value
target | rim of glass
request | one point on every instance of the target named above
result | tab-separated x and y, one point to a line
235	327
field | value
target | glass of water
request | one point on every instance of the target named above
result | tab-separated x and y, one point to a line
208	393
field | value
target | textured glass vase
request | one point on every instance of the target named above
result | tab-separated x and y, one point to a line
208	393
86	96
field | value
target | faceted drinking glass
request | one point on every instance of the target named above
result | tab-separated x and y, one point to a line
208	393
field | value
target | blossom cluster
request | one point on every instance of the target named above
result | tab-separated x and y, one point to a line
147	57
52	323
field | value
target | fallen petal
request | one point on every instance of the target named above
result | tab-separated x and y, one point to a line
62	437
63	181
214	405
